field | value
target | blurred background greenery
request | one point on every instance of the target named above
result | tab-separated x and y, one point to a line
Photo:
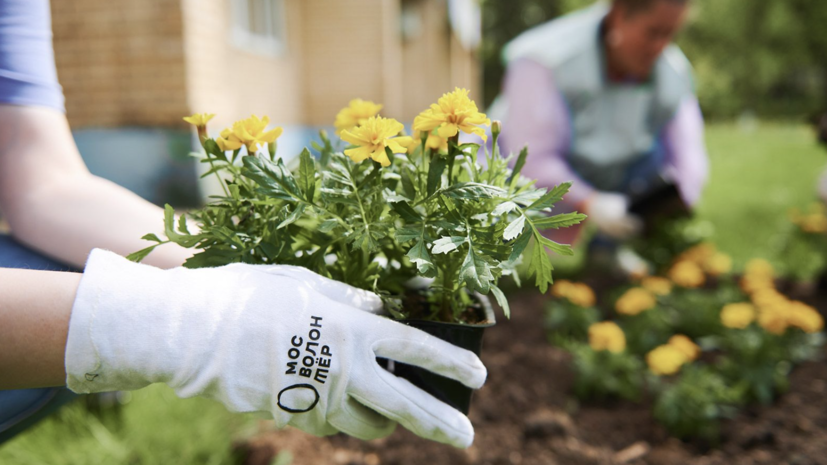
764	58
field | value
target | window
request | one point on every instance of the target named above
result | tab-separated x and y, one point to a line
259	26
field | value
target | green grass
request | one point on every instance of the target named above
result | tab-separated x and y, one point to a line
755	178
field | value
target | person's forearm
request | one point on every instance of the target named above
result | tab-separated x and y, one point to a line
34	319
52	202
91	212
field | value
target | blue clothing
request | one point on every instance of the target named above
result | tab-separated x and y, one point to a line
28	75
22	408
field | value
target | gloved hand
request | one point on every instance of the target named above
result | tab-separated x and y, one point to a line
280	339
609	212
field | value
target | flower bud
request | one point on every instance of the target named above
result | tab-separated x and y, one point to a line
496	127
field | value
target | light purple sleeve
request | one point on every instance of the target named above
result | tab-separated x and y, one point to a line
686	160
27	63
537	116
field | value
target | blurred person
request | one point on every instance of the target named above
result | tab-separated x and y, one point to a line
603	98
240	334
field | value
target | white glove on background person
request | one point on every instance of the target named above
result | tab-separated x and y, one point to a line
274	338
610	213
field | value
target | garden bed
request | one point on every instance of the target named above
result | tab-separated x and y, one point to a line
525	414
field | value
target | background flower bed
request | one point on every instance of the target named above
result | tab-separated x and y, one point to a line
749	186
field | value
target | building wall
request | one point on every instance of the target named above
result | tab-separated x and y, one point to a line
148	63
120	63
225	79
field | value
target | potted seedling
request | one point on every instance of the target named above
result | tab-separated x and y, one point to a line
378	209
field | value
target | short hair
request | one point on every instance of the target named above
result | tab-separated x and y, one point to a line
636	6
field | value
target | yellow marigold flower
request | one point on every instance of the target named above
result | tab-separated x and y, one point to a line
373	136
561	288
581	295
199	120
666	359
607	336
759	267
813	223
433	142
249	132
685	345
718	264
768	296
738	315
634	301
228	141
754	283
774	318
452	113
805	317
687	274
699	253
657	285
355	113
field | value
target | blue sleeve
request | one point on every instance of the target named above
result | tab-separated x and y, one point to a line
27	63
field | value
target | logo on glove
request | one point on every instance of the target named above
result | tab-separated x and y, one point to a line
312	355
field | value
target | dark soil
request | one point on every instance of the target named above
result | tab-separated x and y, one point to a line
525	414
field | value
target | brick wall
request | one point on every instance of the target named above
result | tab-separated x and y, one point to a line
120	62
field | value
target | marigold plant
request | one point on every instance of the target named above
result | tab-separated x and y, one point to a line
378	209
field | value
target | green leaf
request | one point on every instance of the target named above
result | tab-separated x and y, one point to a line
504	208
169	223
559	221
141	254
447	244
404	210
561	249
307	175
550	198
540	266
408	234
498	294
518	166
151	237
515	228
182	224
471	191
419	255
438	164
273	178
408	185
328	225
475	272
293	216
392	197
519	246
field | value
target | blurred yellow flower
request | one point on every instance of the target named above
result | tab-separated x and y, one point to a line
199	120
666	360
607	336
373	136
814	223
759	267
355	114
687	273
805	317
764	297
698	254
738	315
774	318
452	113
718	264
657	285
752	283
634	301
685	345
579	294
249	132
433	142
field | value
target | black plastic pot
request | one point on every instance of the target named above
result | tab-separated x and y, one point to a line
467	336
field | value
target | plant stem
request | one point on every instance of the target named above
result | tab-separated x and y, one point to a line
453	144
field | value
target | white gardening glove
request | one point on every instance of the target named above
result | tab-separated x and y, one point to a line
279	339
610	213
